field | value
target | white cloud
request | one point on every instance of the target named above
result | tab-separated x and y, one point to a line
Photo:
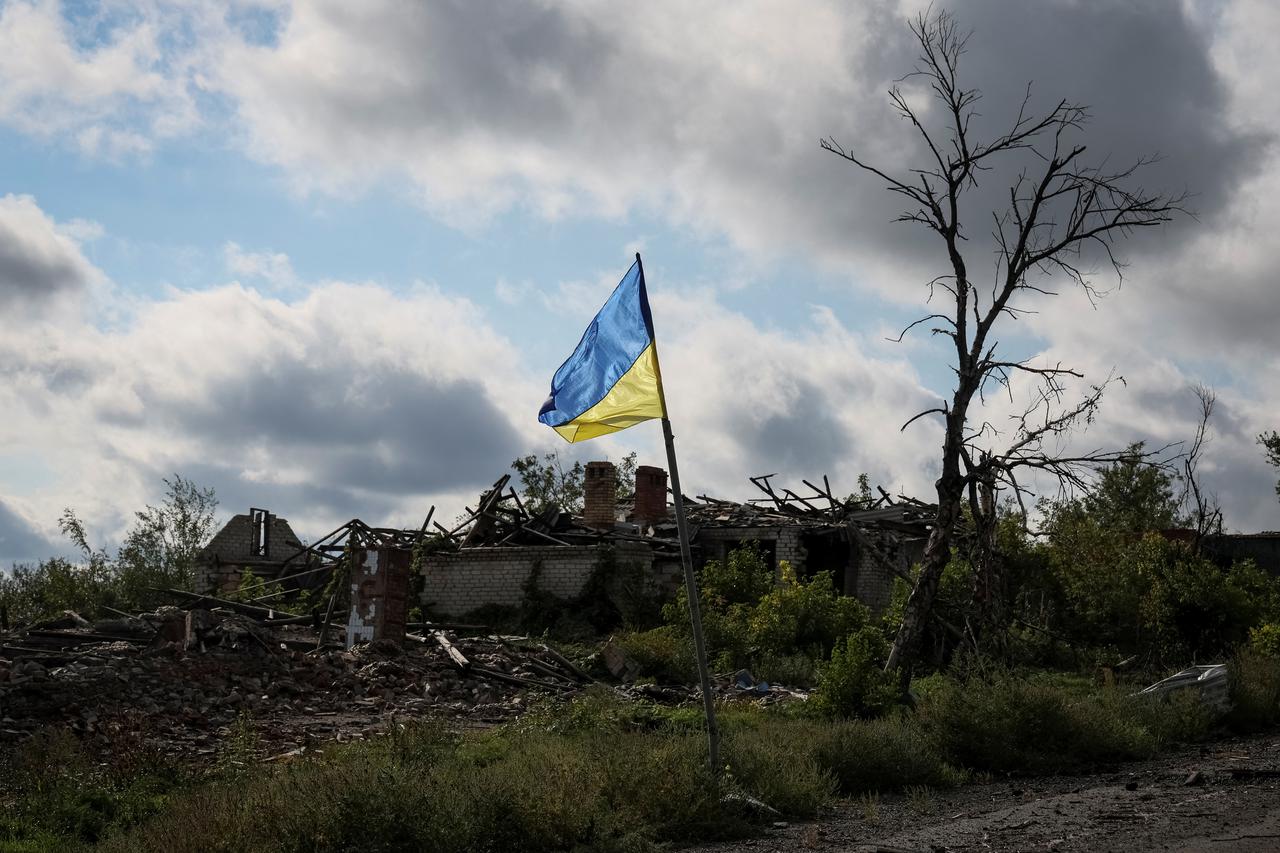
272	267
113	97
350	401
746	400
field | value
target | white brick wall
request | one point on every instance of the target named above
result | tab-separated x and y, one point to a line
464	580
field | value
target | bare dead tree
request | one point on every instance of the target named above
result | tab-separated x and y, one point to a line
1202	508
1059	208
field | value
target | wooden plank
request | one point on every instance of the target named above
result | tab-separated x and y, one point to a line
566	663
458	658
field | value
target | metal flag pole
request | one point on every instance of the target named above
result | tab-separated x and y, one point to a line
690	580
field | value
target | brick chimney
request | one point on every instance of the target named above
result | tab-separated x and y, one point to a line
651	495
600	495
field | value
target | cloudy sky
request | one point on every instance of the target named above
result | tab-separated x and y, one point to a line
324	256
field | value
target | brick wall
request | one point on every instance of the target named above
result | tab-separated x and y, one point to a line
457	582
872	580
717	541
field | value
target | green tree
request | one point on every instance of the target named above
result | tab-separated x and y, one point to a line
1133	496
545	482
159	550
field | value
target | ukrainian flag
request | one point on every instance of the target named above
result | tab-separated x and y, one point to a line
612	380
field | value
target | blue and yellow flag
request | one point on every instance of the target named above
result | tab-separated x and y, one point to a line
612	380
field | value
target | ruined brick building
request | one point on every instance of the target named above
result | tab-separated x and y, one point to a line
863	548
500	549
255	541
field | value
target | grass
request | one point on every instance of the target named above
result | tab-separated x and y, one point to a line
597	772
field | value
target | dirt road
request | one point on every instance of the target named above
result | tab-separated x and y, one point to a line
1223	796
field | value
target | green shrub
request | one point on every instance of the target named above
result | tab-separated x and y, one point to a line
665	654
880	755
1255	691
741	578
1265	639
1135	590
853	684
753	621
1007	724
804	615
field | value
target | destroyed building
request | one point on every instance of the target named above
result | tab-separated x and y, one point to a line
256	542
499	550
500	546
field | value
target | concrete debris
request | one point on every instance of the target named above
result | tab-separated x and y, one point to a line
184	693
180	682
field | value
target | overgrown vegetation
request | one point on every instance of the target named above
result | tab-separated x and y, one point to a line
781	628
1103	582
159	550
599	772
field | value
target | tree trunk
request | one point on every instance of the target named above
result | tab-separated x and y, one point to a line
937	553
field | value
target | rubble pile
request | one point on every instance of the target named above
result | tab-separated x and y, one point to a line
185	678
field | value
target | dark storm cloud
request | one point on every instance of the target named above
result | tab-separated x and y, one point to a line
236	494
594	104
805	439
355	432
1142	68
35	262
20	542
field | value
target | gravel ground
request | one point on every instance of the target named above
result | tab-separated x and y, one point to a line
1223	796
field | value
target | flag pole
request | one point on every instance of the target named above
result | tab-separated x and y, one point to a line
690	580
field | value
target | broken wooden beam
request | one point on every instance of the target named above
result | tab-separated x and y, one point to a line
455	655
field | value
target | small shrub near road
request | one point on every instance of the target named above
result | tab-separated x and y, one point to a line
1255	691
853	684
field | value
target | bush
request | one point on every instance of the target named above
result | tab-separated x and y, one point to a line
880	755
751	621
1265	640
804	615
853	684
741	578
1010	725
1255	691
665	654
1148	595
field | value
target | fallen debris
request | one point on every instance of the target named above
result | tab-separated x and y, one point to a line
1209	682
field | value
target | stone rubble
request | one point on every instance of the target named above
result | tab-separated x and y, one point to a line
181	682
